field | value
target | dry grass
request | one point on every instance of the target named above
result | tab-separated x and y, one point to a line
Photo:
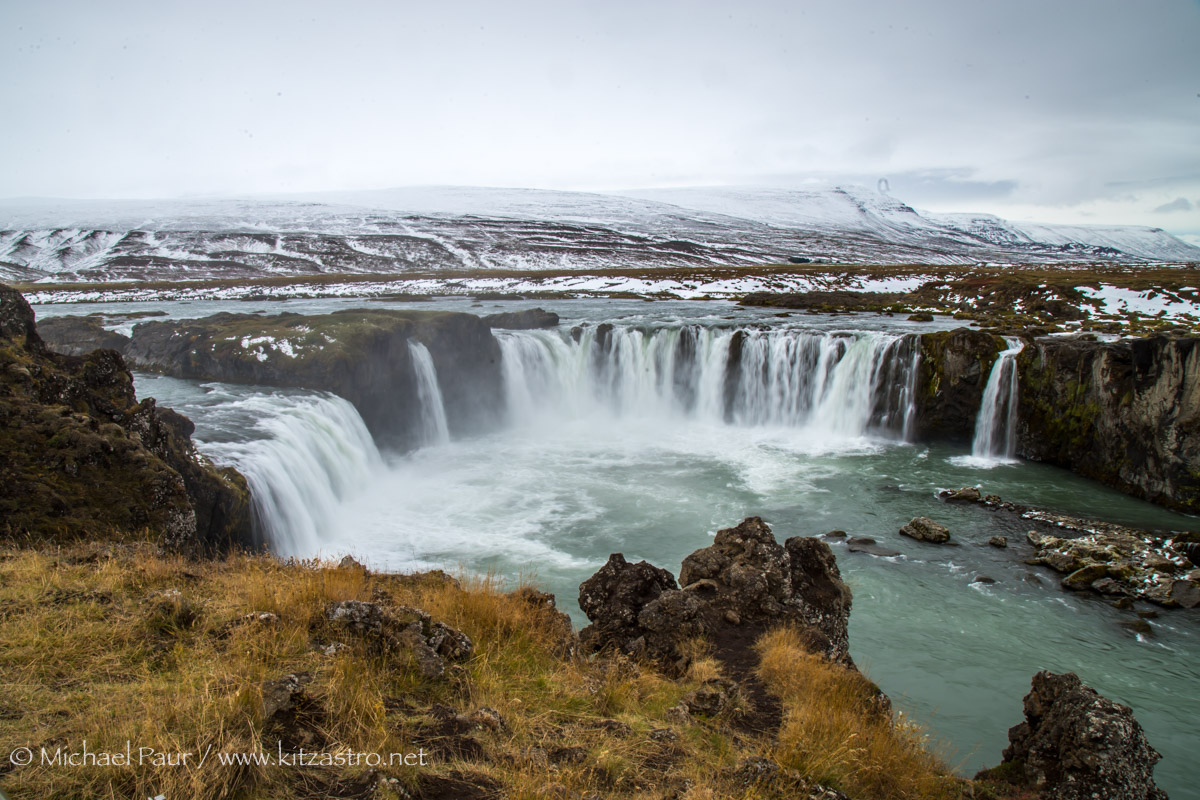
834	729
115	643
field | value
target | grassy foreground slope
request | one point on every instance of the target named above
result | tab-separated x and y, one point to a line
120	643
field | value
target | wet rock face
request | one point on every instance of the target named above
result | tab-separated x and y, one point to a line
1077	745
80	456
746	580
953	375
1124	413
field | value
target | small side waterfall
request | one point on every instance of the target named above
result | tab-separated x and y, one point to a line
996	425
432	426
846	384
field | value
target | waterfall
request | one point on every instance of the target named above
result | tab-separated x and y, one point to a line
311	454
431	421
846	384
996	425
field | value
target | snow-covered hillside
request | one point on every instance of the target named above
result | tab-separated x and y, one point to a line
429	229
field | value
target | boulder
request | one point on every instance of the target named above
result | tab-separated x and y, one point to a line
1078	745
967	494
1000	542
926	530
615	599
865	544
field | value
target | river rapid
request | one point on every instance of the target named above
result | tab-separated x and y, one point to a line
638	440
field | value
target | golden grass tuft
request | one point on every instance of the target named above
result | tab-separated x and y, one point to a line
836	732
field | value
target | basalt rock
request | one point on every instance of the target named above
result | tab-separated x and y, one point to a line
1078	745
528	319
625	604
967	494
385	630
77	336
80	456
362	355
746	575
1124	413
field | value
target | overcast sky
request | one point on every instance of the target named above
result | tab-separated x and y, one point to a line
1074	110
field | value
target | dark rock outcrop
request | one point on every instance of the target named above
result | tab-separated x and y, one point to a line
953	374
741	585
384	630
362	355
80	456
1124	413
1077	745
522	320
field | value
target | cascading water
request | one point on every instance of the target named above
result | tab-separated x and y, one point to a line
302	454
315	451
996	426
431	423
844	384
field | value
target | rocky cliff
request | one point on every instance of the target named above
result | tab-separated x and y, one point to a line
361	354
1125	413
953	374
80	456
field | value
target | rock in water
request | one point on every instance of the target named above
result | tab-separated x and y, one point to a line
522	320
967	494
77	336
926	530
1078	745
745	575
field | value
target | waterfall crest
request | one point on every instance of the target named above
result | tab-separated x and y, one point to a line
313	453
996	426
431	423
846	384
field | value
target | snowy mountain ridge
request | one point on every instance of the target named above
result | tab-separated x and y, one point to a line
457	228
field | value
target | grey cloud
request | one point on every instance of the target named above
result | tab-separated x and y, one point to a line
1178	204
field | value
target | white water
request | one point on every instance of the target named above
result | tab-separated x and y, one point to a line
836	384
304	454
996	425
431	424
